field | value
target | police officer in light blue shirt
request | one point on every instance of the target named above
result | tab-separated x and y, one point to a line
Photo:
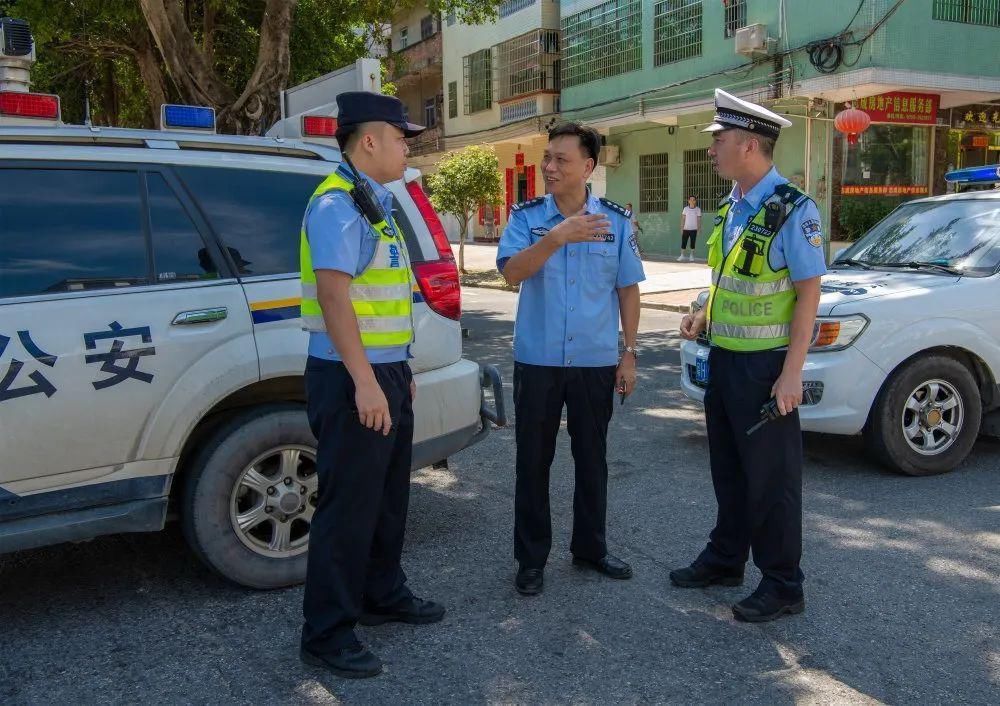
760	333
359	392
797	246
578	265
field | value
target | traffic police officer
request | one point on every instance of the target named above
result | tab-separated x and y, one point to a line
578	266
357	307
767	258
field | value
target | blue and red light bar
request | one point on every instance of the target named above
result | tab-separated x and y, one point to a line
975	175
187	117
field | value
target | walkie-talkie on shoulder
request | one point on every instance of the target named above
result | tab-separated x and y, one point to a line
364	196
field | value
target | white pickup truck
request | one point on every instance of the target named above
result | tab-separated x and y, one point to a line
907	349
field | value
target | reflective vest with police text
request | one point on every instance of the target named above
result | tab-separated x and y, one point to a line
382	295
751	305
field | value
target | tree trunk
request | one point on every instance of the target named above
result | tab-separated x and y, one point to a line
461	243
256	107
152	75
195	79
110	99
208	30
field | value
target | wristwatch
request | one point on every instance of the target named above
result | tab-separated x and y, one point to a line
630	349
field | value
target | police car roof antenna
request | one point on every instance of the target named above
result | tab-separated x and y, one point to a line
86	102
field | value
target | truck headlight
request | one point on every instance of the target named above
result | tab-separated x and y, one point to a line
835	333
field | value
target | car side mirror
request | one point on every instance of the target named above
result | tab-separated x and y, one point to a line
700	302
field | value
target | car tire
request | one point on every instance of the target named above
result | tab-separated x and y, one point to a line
926	417
237	503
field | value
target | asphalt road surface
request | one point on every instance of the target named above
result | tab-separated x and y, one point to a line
902	587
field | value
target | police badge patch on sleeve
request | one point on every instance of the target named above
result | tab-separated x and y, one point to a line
813	232
634	245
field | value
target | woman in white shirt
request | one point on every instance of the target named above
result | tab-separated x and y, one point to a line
690	225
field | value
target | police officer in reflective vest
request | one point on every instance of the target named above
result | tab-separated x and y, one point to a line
357	307
578	265
767	257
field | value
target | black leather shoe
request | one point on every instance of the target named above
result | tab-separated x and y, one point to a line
764	605
413	610
610	566
351	663
529	582
699	575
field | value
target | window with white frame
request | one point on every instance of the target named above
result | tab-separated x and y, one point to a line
477	71
453	99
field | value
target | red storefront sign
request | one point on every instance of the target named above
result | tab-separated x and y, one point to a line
900	107
883	190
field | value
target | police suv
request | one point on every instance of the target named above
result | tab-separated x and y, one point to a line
907	343
151	356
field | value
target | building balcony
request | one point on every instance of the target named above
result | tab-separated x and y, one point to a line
527	65
429	141
417	60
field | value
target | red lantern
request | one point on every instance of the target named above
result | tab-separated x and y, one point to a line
852	122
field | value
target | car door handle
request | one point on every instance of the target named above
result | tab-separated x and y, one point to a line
200	316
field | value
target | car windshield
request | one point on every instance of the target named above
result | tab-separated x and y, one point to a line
961	236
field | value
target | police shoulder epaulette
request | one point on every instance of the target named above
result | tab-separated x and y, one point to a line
537	201
789	193
617	208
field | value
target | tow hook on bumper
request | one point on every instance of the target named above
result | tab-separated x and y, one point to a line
490	377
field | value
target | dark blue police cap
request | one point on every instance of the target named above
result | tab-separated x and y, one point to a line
356	107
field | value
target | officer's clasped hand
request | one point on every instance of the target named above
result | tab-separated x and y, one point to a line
692	325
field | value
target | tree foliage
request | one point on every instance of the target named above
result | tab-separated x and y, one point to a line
127	57
464	181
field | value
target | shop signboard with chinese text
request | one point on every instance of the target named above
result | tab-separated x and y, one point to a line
900	107
985	116
877	190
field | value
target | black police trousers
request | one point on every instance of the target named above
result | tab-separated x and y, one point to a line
539	395
356	537
757	478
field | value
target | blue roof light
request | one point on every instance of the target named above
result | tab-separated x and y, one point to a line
188	117
975	175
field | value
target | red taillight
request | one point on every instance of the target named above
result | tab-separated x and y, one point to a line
432	221
29	105
438	279
319	126
439	284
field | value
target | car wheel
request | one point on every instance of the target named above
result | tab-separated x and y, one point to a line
247	504
926	417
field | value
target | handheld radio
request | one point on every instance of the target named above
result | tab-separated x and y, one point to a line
364	196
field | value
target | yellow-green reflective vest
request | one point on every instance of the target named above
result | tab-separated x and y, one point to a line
750	305
382	295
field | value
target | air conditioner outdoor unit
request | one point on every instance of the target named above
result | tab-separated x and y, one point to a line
751	40
610	156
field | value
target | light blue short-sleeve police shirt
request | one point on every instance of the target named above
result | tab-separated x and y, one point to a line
567	313
797	246
341	239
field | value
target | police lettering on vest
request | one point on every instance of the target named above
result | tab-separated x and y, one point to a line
750	305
